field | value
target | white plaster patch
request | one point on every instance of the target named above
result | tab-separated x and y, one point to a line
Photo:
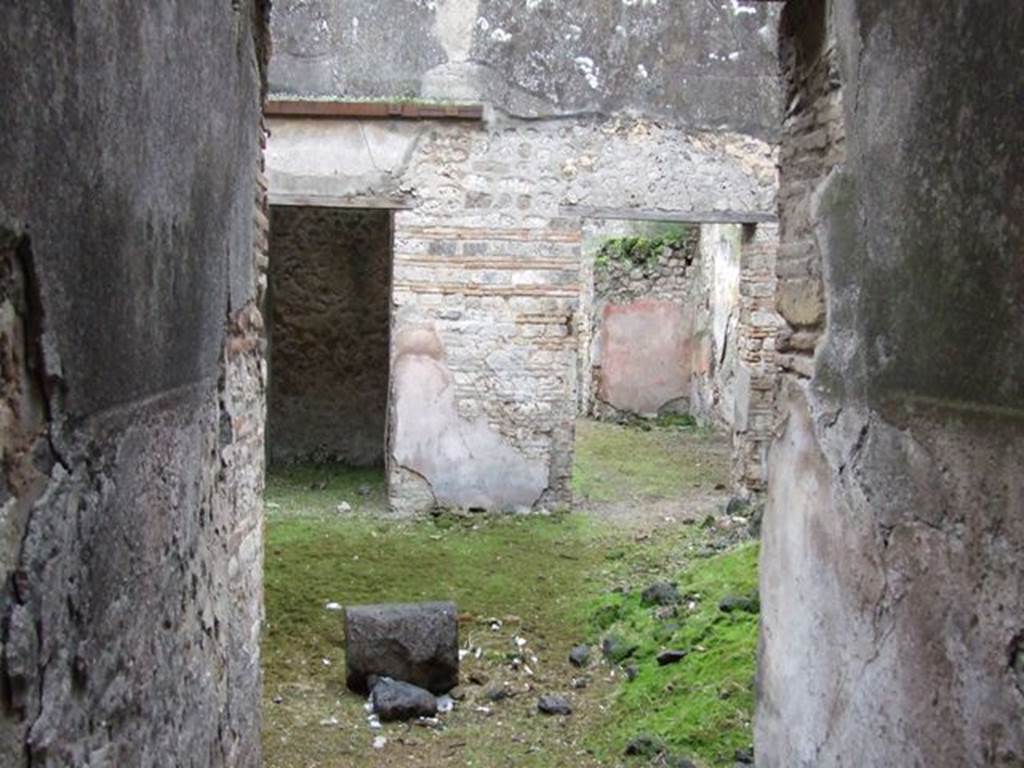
739	7
641	71
585	65
453	26
499	35
641	3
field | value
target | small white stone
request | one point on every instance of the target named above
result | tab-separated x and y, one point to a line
379	742
332	606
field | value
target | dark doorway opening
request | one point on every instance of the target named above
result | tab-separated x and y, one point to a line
330	301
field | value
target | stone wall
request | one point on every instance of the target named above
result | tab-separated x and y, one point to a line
131	383
487	271
705	66
657	112
890	564
755	385
330	281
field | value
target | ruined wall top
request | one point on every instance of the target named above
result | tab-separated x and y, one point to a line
702	64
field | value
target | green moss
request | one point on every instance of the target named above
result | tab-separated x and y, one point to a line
635	462
701	707
316	490
642	250
508	565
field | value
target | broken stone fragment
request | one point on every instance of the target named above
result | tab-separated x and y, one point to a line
554	705
617	649
645	746
732	603
414	642
670	657
580	655
394	700
660	593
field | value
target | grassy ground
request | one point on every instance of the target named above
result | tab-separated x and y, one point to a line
624	463
551	581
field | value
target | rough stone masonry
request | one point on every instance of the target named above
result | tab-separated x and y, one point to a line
131	382
891	582
488	214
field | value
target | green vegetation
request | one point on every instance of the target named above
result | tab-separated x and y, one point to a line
668	458
701	707
640	250
554	581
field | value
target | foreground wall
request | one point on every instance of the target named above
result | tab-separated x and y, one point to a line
893	602
131	399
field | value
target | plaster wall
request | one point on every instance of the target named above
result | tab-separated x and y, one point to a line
699	64
891	584
131	383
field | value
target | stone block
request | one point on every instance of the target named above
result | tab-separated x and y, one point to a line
416	643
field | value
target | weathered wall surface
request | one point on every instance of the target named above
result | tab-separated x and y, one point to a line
330	288
712	398
131	390
892	599
753	389
638	340
698	64
593	110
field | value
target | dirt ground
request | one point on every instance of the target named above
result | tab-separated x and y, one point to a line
526	587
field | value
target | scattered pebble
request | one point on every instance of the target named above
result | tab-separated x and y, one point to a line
670	657
332	607
344	508
330	721
660	593
554	705
580	655
379	742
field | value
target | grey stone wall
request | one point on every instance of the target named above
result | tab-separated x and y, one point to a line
891	588
131	388
694	63
330	280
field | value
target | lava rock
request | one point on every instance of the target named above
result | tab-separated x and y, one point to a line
497	693
660	593
670	657
631	672
616	648
680	762
554	705
732	603
744	756
645	746
415	642
394	700
737	505
580	655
